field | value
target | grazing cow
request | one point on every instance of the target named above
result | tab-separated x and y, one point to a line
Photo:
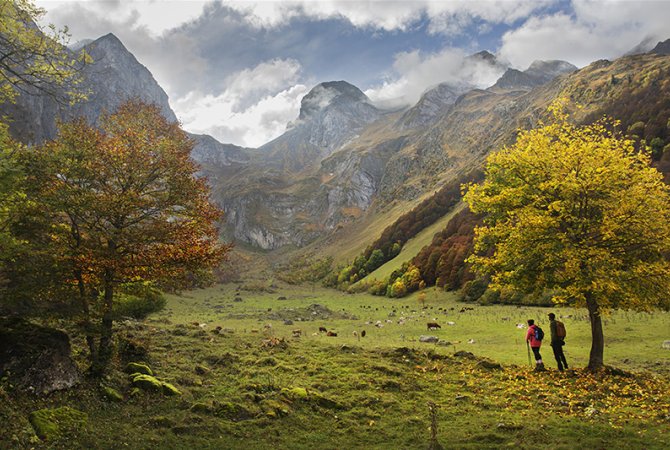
432	326
323	330
297	333
332	334
363	333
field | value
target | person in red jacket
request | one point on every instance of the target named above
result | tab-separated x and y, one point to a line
535	345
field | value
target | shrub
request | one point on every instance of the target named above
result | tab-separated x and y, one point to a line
138	300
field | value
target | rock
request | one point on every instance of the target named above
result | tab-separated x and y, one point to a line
666	345
201	408
111	394
464	354
147	382
201	370
169	389
233	411
142	368
429	339
288	322
37	358
444	343
295	393
53	424
281	298
488	365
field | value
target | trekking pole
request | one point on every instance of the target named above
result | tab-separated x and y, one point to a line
528	347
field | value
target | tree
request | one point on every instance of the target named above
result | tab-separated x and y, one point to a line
34	60
578	210
124	206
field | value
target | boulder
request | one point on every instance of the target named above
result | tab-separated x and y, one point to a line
430	339
54	424
134	367
666	345
37	359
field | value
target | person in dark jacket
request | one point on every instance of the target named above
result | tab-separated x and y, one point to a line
557	343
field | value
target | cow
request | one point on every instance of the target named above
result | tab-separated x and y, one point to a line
323	330
432	326
297	333
331	333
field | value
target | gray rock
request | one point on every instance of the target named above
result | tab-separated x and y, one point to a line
37	359
430	339
666	345
444	343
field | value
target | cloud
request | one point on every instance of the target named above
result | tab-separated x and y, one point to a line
253	109
446	17
595	30
415	72
155	16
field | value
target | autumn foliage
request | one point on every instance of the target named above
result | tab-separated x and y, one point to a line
120	204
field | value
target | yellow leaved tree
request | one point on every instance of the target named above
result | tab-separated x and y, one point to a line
578	210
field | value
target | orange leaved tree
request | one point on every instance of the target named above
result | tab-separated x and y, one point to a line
122	205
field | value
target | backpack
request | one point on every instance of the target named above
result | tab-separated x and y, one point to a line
560	330
539	334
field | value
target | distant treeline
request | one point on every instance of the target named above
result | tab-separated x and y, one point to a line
392	239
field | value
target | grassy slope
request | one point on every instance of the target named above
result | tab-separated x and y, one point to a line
413	246
368	393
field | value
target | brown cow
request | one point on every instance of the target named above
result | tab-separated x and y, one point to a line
330	333
432	326
322	330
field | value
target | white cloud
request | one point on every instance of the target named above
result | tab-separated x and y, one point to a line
597	29
155	16
253	109
446	17
415	72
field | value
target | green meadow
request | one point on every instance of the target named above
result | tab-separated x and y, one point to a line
253	371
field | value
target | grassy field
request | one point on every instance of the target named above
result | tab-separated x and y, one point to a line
251	384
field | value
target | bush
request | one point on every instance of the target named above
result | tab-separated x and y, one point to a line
137	300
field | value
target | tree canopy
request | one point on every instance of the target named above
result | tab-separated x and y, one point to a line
575	209
34	60
121	204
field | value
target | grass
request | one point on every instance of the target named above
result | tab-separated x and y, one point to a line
413	246
255	386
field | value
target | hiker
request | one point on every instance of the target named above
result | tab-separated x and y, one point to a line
535	339
558	341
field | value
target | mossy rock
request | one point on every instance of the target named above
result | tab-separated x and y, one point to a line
201	370
233	411
111	394
275	409
169	389
147	382
295	393
134	367
201	408
326	402
54	424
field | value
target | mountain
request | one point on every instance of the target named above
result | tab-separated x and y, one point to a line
434	101
331	114
113	77
537	74
662	48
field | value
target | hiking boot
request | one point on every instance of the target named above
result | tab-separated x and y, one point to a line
540	368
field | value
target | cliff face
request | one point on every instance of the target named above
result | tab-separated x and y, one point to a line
114	77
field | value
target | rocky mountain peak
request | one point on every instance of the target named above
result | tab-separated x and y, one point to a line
538	73
330	93
662	48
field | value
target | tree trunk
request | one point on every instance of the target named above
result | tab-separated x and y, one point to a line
597	338
104	353
88	326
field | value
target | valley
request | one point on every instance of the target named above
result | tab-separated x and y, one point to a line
253	384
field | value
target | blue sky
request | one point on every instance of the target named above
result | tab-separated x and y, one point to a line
237	70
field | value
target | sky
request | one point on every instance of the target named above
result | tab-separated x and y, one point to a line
237	70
